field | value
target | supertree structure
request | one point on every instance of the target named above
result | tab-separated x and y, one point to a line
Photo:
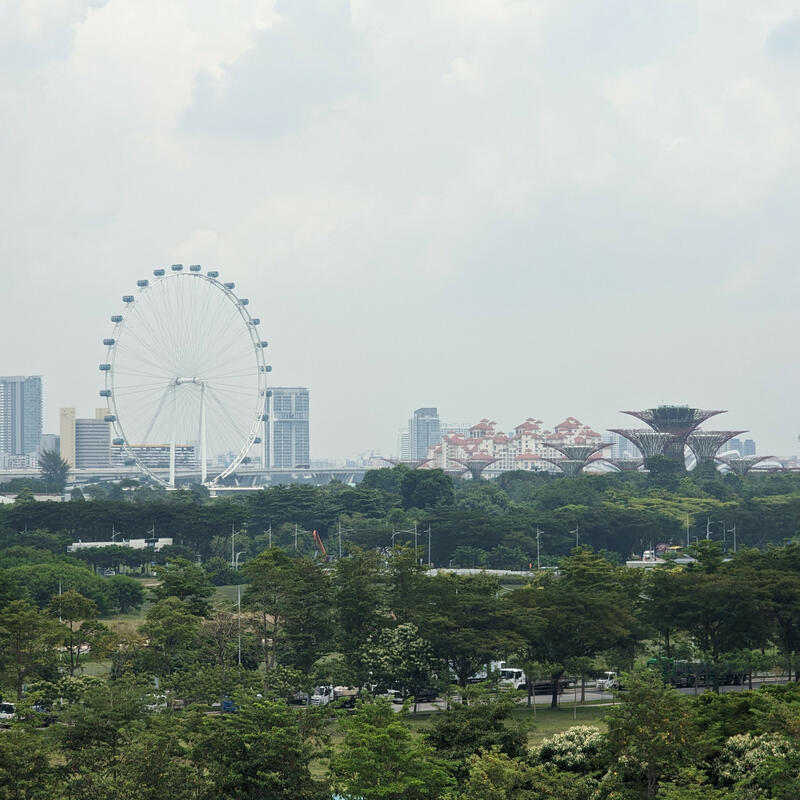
649	442
576	456
706	444
579	452
476	464
411	463
569	466
741	466
625	464
676	421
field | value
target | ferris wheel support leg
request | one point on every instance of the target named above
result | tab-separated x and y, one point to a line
172	439
202	433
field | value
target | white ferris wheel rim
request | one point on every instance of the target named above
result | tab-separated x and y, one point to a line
224	295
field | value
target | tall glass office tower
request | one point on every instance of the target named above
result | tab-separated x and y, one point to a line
20	414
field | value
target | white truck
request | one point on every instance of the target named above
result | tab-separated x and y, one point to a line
513	677
327	694
8	713
610	680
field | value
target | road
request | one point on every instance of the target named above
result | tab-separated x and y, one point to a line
571	695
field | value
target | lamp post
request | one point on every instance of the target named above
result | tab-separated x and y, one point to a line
238	609
347	530
233	540
576	533
733	531
538	559
414	531
430	564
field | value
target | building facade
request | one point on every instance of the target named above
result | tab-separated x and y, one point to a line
527	447
425	432
287	432
85	443
20	414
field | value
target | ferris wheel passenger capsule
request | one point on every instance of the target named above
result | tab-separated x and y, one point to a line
212	273
254	321
143	284
159	273
263	345
109	342
105	368
176	267
266	368
116	318
127	298
194	267
118	442
243	301
257	440
105	393
109	418
230	286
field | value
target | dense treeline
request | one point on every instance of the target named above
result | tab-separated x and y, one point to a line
486	523
375	619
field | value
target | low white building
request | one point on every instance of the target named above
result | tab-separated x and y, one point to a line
134	544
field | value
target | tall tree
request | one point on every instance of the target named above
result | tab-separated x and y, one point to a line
26	636
54	469
465	624
380	759
75	611
584	610
186	581
359	605
650	732
264	750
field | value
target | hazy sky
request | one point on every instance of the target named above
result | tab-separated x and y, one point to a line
503	209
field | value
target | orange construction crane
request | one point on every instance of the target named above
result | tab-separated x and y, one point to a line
320	547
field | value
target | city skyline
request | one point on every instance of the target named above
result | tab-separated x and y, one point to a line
595	215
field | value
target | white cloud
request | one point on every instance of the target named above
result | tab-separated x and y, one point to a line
418	198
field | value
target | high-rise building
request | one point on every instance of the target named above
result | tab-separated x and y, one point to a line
20	414
287	433
85	443
424	432
745	447
50	442
404	443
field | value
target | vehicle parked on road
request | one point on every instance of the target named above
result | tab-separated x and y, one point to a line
513	678
610	680
8	713
346	695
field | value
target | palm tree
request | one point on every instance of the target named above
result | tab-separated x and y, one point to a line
55	470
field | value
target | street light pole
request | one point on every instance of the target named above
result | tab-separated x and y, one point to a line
733	531
233	540
538	559
429	546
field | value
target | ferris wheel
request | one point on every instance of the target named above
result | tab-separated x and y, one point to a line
185	377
